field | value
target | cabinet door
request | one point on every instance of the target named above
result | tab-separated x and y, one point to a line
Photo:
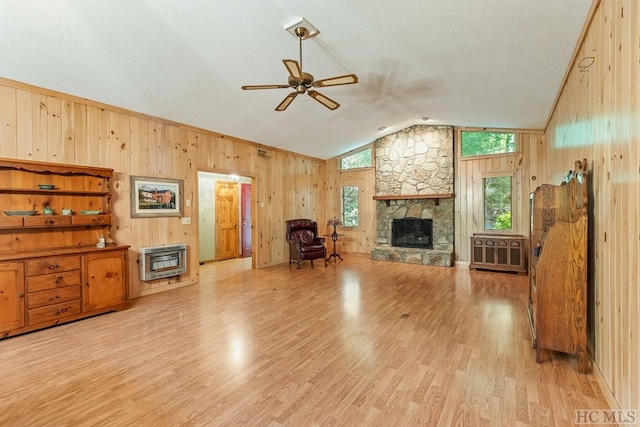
105	279
11	296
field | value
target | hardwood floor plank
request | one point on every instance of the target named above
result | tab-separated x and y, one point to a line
357	343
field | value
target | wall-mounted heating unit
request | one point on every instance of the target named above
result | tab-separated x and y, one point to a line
159	262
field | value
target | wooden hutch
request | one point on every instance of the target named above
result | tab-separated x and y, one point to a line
558	267
52	267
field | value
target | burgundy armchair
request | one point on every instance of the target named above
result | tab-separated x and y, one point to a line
304	243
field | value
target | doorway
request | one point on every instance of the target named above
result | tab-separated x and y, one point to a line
225	226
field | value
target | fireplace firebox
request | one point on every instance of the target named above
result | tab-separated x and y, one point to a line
412	233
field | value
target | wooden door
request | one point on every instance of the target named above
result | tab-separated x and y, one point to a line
226	220
245	194
11	296
106	282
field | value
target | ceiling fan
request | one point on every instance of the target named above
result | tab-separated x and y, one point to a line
304	82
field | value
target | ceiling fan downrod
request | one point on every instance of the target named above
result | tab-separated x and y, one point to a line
300	32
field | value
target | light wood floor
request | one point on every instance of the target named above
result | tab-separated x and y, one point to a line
360	343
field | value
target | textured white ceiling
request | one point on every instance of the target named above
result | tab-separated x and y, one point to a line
487	63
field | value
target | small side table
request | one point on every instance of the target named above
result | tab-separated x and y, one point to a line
334	238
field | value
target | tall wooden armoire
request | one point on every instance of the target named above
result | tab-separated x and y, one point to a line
558	267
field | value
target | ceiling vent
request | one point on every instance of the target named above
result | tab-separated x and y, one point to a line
264	153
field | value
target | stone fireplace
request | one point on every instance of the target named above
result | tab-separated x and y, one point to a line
414	185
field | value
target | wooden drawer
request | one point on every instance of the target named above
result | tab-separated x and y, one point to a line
91	219
54	312
53	281
10	221
46	220
52	265
55	296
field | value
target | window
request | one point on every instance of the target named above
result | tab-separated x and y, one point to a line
487	143
361	159
497	202
350	206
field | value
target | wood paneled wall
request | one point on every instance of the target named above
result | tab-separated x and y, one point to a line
359	239
523	165
469	213
597	116
39	124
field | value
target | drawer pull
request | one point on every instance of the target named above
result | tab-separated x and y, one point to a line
49	222
58	279
64	310
53	266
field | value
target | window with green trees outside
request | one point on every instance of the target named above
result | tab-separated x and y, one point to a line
487	143
350	206
361	159
497	202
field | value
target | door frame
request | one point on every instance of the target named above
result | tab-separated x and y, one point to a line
254	213
244	187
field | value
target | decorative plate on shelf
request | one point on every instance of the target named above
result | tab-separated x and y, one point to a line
98	212
20	213
46	186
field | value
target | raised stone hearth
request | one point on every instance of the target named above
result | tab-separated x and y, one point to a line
415	162
412	256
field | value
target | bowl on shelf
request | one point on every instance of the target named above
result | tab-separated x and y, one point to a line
46	186
20	213
85	212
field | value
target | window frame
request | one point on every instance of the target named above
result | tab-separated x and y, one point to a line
353	153
513	228
342	210
516	142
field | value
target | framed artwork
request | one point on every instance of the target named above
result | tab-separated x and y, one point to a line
152	196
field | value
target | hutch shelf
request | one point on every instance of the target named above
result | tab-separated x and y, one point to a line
52	269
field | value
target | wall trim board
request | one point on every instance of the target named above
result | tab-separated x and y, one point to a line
572	62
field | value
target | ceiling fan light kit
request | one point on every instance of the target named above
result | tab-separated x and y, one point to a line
301	81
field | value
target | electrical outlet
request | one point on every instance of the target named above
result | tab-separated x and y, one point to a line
186	220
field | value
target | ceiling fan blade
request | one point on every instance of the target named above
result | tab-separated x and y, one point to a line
327	102
336	81
286	101
254	87
293	67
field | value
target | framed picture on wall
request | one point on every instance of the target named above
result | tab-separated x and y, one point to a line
153	197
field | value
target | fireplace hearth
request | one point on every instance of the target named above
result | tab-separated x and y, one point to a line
412	233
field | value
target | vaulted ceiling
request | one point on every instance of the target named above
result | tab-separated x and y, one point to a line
480	63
